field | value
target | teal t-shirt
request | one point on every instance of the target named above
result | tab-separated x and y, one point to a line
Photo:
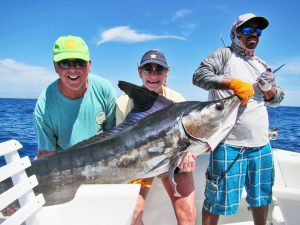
61	122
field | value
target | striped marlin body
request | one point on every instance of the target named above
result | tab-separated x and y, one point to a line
151	141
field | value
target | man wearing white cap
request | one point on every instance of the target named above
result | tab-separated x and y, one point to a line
244	158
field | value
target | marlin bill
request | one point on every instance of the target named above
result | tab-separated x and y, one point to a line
151	141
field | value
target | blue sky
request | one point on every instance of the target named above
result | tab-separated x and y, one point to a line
119	32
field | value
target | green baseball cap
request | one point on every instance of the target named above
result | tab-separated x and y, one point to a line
70	47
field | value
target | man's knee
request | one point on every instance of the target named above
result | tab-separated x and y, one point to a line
187	214
192	214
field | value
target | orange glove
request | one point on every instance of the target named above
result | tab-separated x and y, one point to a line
242	89
142	182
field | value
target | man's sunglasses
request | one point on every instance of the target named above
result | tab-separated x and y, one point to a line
78	64
250	30
148	69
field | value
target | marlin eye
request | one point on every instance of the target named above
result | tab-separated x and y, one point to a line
220	106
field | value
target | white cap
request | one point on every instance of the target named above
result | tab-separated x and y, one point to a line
261	21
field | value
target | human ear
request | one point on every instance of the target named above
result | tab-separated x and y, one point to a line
140	72
55	66
89	65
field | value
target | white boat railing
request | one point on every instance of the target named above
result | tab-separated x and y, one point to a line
22	185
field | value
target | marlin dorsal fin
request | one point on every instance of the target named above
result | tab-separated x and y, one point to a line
144	100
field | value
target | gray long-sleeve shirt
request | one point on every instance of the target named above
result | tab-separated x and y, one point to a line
251	129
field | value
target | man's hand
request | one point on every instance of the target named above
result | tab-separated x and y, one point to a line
266	80
188	164
242	89
8	211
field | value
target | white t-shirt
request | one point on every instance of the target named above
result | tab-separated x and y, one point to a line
251	128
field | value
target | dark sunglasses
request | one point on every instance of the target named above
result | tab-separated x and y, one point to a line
78	64
148	69
250	30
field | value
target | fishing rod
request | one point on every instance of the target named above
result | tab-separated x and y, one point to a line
222	40
279	68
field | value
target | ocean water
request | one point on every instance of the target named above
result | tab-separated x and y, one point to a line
287	120
16	123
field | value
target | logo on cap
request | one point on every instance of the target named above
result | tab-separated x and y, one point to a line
70	47
153	56
70	44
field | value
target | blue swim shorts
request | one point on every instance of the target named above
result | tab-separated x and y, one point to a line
253	170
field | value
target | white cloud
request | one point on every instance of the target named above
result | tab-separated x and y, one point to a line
128	35
181	13
187	26
20	80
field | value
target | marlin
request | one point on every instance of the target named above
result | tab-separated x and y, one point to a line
151	141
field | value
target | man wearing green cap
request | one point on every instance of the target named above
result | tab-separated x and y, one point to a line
77	105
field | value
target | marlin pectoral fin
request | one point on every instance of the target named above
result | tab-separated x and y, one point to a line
161	163
173	165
